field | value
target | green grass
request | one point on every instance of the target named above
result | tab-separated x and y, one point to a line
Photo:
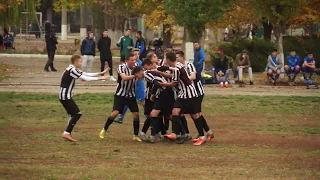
265	137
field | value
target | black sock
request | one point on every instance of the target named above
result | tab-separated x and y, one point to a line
185	124
179	127
271	76
73	122
154	126
204	123
166	123
310	75
146	125
108	123
136	126
162	127
199	125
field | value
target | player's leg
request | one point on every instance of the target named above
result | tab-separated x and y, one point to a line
226	80
278	72
72	109
147	110
154	124
121	117
287	69
118	105
133	106
270	74
296	72
185	126
90	63
84	63
176	121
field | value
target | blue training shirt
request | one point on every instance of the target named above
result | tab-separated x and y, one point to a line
308	60
274	59
140	84
293	61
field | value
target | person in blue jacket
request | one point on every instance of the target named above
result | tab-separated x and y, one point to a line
199	57
140	96
141	45
293	62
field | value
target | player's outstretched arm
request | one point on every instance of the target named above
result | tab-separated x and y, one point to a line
88	78
96	74
169	84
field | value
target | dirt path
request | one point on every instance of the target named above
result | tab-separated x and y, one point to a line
27	75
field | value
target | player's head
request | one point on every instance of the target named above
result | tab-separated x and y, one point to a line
147	64
90	35
293	52
196	44
180	56
274	52
137	72
171	58
105	33
76	61
138	34
310	55
136	52
244	53
130	59
153	57
127	32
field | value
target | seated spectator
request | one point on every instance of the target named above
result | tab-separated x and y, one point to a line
242	64
8	40
308	66
293	61
221	69
274	66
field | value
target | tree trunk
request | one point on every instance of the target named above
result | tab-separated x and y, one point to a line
83	21
64	25
279	39
166	36
267	30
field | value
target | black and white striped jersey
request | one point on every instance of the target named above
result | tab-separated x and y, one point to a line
150	76
125	88
186	87
68	81
197	82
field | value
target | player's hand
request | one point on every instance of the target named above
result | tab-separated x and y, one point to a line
106	70
152	98
103	78
163	68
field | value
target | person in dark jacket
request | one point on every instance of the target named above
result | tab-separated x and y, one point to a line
221	69
104	44
51	43
88	51
141	45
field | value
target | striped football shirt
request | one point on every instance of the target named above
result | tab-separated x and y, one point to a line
68	81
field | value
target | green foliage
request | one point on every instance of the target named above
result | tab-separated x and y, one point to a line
195	14
258	50
303	45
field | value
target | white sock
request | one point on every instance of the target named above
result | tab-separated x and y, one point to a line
226	82
202	137
142	133
221	83
65	132
209	132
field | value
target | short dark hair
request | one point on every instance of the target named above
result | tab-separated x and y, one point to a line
135	49
128	29
171	56
244	51
139	32
196	42
274	50
105	30
136	69
150	55
291	50
75	58
146	61
310	53
130	54
181	53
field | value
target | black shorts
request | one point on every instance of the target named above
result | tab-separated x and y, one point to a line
70	106
165	102
119	103
122	58
199	103
187	106
148	106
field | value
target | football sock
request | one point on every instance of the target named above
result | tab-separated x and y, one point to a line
199	125
108	122
185	124
271	76
178	125
310	75
277	77
73	122
146	125
221	79
166	122
136	126
154	126
204	123
162	127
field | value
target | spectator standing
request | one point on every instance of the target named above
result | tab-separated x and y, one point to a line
141	45
274	66
104	45
51	43
242	64
88	51
199	57
126	44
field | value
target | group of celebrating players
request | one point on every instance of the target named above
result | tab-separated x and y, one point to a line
173	89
